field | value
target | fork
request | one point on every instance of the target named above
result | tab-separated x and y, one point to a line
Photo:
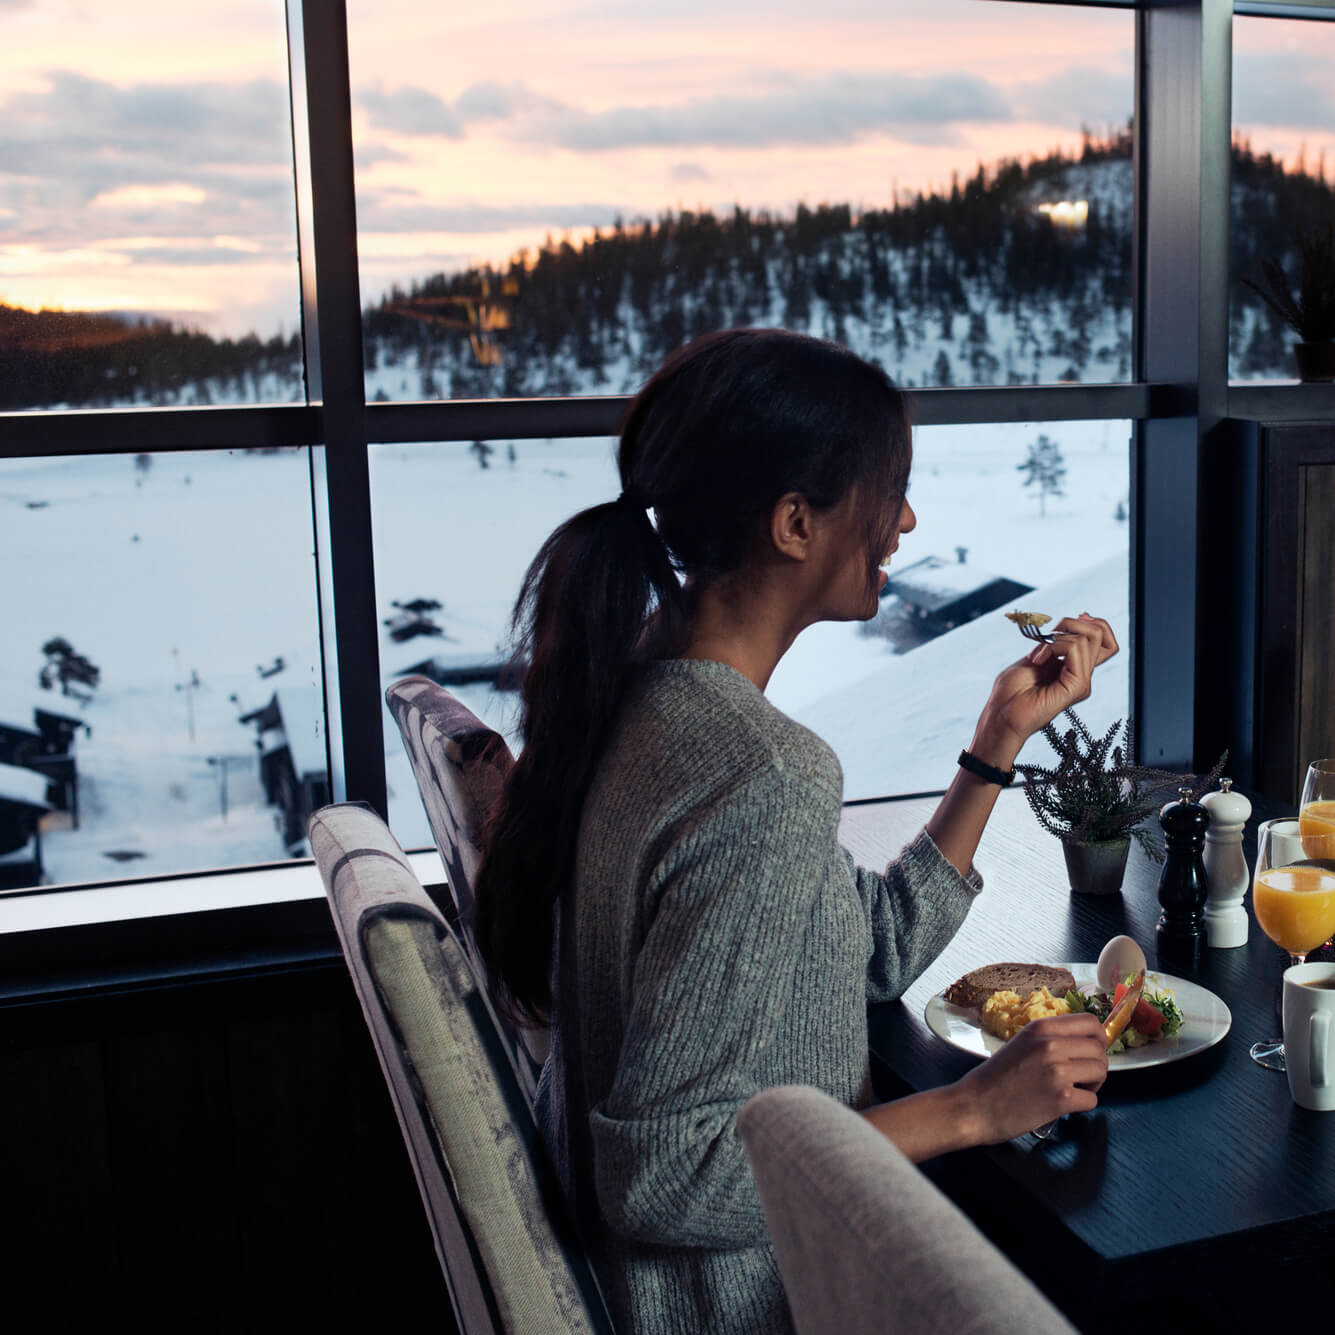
1040	637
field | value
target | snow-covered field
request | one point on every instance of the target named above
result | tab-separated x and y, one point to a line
199	568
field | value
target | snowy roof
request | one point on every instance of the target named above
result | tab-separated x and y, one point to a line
9	718
24	786
303	721
20	704
52	702
936	582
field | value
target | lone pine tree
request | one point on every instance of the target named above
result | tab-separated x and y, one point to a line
1044	468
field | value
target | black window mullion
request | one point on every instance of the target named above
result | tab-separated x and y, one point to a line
36	435
1183	74
535	419
332	341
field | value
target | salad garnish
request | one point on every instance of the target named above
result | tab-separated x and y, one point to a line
1156	1016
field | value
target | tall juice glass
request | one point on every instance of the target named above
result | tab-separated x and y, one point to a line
1316	810
1294	902
1316	814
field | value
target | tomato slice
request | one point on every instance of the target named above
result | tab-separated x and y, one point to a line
1147	1019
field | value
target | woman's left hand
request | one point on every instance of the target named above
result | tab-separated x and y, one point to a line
1033	691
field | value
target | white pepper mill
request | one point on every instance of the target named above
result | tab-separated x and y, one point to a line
1226	874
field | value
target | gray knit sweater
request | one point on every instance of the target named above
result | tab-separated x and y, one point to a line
718	941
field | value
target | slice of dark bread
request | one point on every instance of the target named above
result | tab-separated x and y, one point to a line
975	987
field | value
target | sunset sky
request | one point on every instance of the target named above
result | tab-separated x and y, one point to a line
145	160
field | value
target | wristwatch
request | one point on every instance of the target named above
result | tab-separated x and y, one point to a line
1003	778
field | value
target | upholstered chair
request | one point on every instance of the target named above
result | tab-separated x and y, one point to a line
865	1243
503	1234
460	765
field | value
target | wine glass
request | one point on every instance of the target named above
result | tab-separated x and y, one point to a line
1294	901
1316	814
1316	810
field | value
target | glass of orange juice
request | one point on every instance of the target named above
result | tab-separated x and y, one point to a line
1294	902
1316	813
1316	810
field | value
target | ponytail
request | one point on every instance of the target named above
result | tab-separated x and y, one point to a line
600	597
730	423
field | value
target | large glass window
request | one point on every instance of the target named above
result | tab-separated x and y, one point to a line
1015	515
1283	178
547	202
550	201
147	216
456	526
160	693
1019	514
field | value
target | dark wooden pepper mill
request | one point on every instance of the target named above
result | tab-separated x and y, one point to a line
1180	934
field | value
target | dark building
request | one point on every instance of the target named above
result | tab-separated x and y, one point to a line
294	767
22	805
37	732
944	594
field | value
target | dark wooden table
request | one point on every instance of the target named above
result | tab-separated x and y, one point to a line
1196	1190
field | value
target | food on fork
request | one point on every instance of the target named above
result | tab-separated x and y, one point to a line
975	987
1034	619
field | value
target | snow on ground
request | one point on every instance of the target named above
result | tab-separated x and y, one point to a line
202	565
900	728
196	569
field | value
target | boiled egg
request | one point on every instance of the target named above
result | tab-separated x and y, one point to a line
1121	956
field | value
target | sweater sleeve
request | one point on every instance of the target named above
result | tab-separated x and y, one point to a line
712	983
913	909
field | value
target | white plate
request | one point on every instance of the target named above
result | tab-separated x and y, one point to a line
1205	1020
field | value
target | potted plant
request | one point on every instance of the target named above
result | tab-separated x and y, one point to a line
1095	799
1311	315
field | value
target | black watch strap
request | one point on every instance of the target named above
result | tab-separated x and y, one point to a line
1003	778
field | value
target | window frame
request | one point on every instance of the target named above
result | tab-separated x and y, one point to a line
1193	446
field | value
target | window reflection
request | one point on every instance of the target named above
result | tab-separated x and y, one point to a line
1283	185
1029	514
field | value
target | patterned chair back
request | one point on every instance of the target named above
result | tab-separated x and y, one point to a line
460	765
504	1237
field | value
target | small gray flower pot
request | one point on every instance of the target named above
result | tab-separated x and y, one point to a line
1096	868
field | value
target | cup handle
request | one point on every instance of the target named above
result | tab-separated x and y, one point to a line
1318	1038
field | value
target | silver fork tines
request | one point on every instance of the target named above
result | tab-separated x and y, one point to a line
1035	634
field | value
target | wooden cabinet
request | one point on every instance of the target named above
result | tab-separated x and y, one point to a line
1295	717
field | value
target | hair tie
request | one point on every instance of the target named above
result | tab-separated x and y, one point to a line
633	497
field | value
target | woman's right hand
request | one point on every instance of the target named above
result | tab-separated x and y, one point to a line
1050	1068
1033	691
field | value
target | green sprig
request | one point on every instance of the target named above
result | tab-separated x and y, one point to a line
1095	791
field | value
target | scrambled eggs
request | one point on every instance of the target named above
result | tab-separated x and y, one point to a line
1005	1014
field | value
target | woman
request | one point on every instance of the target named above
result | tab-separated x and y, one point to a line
666	849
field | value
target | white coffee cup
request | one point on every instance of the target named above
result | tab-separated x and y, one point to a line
1309	1034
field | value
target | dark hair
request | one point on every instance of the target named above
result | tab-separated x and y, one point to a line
729	424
